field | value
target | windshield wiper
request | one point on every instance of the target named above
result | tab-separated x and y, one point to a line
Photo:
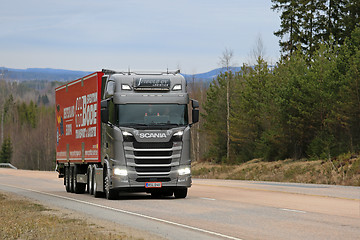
135	125
166	124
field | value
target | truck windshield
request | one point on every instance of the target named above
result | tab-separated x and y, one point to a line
152	114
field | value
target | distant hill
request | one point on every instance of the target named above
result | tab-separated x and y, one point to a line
40	74
209	76
62	75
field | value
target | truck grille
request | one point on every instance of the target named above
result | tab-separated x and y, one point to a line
152	153
150	145
150	159
152	169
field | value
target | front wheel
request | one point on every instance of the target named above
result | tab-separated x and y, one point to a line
180	192
91	180
110	194
97	194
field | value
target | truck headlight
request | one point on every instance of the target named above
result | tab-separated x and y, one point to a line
177	137
128	136
120	172
184	171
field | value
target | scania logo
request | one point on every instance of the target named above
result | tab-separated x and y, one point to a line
152	135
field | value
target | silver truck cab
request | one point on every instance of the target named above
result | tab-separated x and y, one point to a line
145	133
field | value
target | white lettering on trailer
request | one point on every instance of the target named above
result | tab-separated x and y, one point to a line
91	152
91	132
68	129
88	105
75	153
80	133
85	132
69	112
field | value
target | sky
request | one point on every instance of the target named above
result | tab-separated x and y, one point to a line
90	35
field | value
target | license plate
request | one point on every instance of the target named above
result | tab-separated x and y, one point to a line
153	185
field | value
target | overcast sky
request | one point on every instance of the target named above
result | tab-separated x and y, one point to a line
141	34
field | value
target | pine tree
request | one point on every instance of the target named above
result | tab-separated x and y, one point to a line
289	32
215	116
6	151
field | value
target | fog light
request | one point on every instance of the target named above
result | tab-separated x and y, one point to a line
184	171
120	172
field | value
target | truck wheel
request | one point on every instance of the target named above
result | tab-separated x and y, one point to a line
168	193
79	188
87	190
67	179
97	194
72	181
110	194
180	193
91	180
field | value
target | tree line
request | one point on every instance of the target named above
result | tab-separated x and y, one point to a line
305	24
302	106
27	126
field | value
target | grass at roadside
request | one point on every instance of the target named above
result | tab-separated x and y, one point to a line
343	170
22	219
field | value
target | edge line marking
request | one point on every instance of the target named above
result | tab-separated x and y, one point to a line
128	212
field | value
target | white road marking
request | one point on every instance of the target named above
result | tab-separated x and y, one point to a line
205	198
130	213
292	210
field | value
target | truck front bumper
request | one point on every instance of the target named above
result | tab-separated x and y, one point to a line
134	182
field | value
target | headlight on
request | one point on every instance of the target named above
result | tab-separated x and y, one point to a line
177	137
184	171
120	172
128	136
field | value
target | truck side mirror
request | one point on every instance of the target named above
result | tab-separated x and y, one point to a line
194	103
104	111
195	115
195	112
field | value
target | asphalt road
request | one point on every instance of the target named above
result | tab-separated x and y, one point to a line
214	209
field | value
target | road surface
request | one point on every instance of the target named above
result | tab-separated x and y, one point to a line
214	209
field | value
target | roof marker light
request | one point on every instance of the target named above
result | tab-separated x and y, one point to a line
177	87
125	87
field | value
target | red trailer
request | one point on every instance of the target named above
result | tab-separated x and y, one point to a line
78	121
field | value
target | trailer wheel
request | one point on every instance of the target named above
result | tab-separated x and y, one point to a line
67	179
72	180
79	188
180	193
110	194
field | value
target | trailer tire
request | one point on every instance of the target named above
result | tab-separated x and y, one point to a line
180	192
79	188
72	181
67	179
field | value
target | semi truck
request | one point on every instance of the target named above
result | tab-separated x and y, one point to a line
125	131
